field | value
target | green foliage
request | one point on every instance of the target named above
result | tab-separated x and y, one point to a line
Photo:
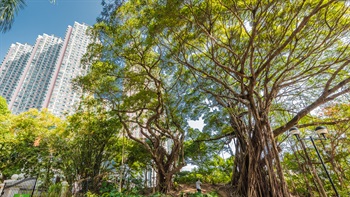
115	193
334	151
110	190
55	190
89	145
89	194
187	177
211	194
26	146
145	97
133	194
8	10
138	158
249	69
216	170
3	107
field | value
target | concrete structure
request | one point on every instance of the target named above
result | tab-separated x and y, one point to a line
12	68
61	97
35	79
40	76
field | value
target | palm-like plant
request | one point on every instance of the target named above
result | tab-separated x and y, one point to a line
8	11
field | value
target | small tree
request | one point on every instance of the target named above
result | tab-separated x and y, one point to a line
28	148
86	148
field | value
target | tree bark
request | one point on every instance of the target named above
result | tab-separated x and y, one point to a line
164	182
257	169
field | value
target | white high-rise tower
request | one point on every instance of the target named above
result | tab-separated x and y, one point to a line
61	97
34	82
12	68
40	76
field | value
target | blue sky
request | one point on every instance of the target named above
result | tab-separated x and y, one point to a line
41	16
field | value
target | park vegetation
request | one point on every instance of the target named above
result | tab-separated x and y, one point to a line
251	70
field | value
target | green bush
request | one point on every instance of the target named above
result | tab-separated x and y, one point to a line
55	190
211	194
216	170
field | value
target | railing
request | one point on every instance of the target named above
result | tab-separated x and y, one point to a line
25	187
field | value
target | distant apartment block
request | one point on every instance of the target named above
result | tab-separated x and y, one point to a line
61	97
12	68
35	79
46	71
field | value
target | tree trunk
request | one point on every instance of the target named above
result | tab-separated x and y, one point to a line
164	182
257	169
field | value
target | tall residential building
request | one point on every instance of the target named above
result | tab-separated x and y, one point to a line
37	74
61	96
40	76
12	69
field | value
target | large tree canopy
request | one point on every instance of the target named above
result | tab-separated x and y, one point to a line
250	61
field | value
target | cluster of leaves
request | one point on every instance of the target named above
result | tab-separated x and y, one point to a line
26	146
85	148
334	151
216	170
211	194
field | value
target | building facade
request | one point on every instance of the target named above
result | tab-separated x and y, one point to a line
35	79
40	76
61	96
12	69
